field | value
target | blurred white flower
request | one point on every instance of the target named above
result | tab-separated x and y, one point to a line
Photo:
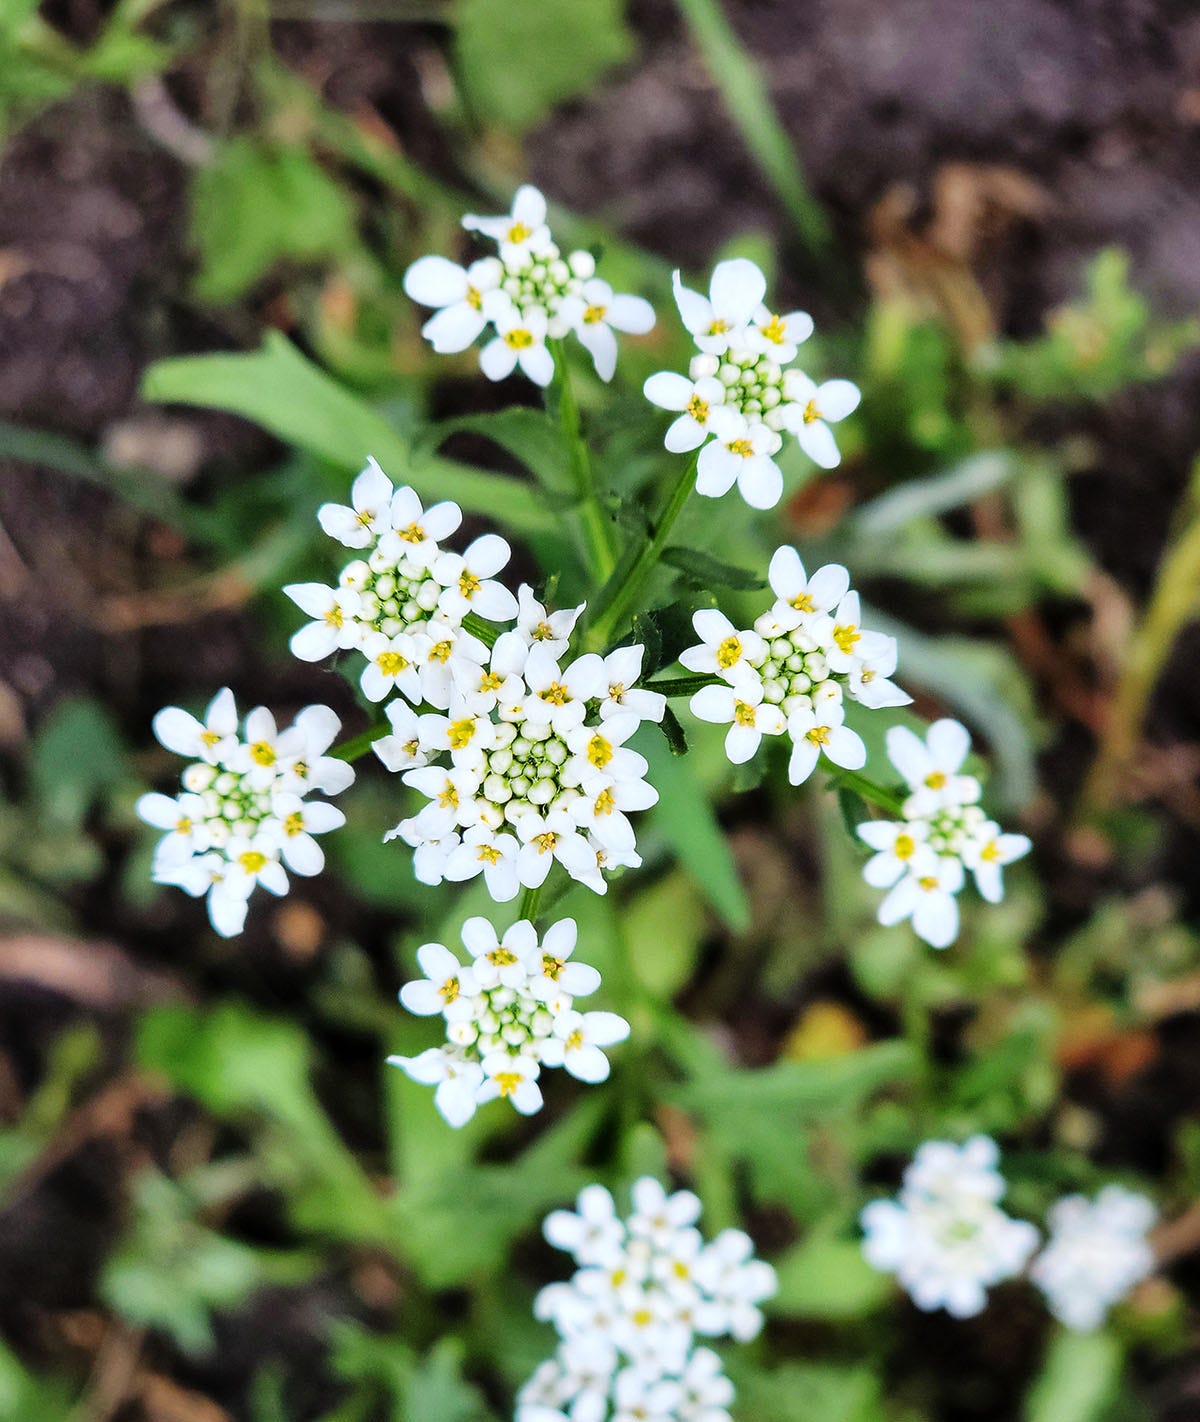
1096	1253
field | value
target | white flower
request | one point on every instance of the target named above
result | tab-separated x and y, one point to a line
629	1317
945	1237
986	853
597	312
926	894
335	626
521	231
434	281
551	630
724	651
1096	1253
792	585
457	1079
509	1013
741	708
931	767
210	740
243	814
391	666
493	854
520	340
812	409
896	844
577	1040
369	514
779	336
468	579
402	749
622	671
817	732
694	399
735	293
740	454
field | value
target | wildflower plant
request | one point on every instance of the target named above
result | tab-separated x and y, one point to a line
517	734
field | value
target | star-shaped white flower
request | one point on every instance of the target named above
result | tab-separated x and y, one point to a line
812	408
458	292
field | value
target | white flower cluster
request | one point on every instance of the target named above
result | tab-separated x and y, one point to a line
741	393
528	294
945	1237
1096	1253
538	766
401	602
243	815
628	1321
793	670
509	1012
922	859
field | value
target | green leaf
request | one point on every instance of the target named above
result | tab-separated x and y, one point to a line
527	434
828	1279
1079	1378
664	926
810	1391
703	571
674	733
256	203
937	494
297	401
76	756
436	1391
805	1088
518	61
685	819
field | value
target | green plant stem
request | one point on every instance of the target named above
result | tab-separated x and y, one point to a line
742	86
671	686
1173	603
487	632
358	746
529	903
862	785
597	530
621	591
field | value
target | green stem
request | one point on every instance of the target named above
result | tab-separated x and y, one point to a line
620	593
863	785
1174	602
597	530
529	903
359	745
681	685
487	632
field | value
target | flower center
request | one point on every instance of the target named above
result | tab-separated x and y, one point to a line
468	584
262	753
818	735
460	733
905	846
729	652
519	232
474	298
846	636
391	663
252	860
599	751
518	339
740	446
594	314
743	713
294	824
810	414
698	409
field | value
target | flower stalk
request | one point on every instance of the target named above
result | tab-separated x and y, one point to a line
597	529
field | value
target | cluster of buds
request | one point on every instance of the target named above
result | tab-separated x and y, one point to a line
533	766
645	1289
509	1012
794	669
401	602
528	294
243	813
741	393
923	859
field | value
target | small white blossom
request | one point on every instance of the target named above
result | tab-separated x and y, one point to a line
945	1237
793	670
508	1012
628	1321
243	815
741	392
529	293
1096	1253
400	603
922	859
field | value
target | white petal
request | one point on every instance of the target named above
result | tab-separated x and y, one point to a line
538	364
716	470
949	741
158	810
818	443
760	483
314	642
631	314
836	399
497	359
713	704
454	329
178	730
668	391
737	289
434	281
599	341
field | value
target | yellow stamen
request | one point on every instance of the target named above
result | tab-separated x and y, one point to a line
698	409
335	618
743	713
448	990
391	663
440	652
811	413
905	846
489	854
729	652
460	733
774	331
468	584
545	842
262	753
519	232
594	314
846	635
740	446
936	779
294	824
474	298
819	735
556	694
414	533
252	860
210	738
599	751
518	339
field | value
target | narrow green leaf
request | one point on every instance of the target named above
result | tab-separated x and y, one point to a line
704	571
1079	1379
295	400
